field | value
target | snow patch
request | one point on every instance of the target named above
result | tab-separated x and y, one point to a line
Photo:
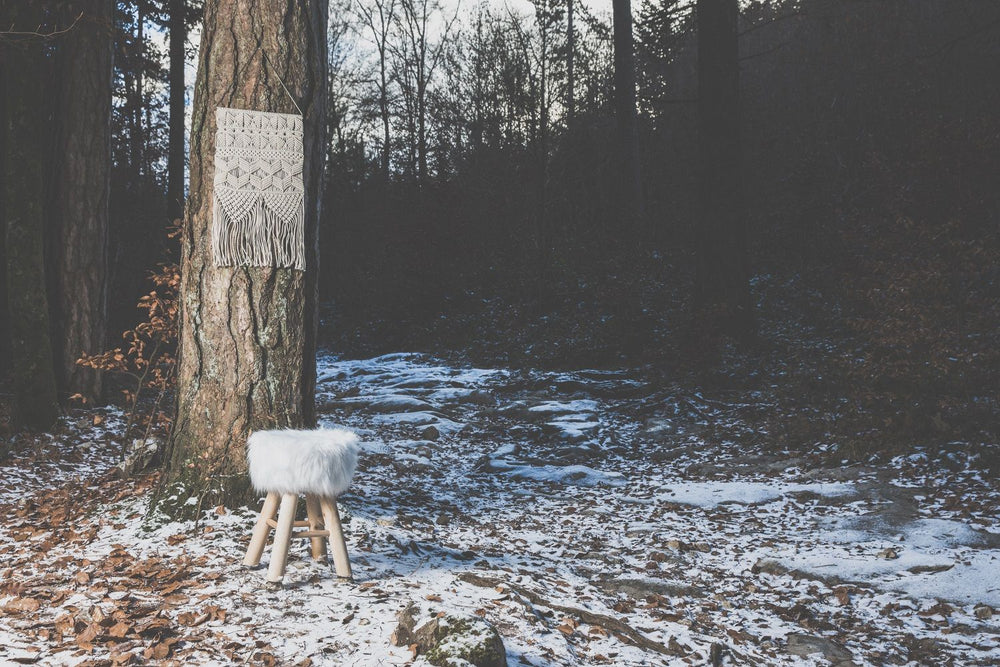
712	494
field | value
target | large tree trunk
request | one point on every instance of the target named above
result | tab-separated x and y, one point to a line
32	373
248	338
630	182
722	287
175	150
83	185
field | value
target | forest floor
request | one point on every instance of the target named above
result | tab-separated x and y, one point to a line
587	515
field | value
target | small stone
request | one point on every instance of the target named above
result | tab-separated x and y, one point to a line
407	618
430	433
804	645
716	654
768	566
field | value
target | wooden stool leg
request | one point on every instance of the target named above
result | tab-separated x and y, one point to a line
282	538
261	530
331	519
315	523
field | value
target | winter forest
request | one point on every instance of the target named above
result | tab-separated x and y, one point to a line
500	332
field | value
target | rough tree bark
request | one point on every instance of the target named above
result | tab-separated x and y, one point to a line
82	191
722	282
175	150
32	375
248	335
630	185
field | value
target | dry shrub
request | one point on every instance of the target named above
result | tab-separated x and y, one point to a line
146	362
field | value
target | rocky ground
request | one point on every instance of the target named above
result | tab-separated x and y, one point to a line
585	516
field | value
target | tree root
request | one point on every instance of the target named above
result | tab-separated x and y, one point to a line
592	618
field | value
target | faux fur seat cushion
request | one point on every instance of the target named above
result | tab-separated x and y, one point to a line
320	462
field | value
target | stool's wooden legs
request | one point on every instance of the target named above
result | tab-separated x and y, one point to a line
282	537
324	525
331	520
318	543
261	530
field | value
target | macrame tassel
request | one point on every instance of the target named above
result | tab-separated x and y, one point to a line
259	237
258	216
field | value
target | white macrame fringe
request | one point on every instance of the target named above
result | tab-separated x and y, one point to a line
260	237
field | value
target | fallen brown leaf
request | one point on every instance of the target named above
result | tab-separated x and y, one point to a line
119	630
22	605
89	634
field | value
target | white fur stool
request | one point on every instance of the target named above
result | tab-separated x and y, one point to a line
284	464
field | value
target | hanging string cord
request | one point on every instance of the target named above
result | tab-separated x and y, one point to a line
283	86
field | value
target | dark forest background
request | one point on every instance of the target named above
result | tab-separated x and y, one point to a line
486	195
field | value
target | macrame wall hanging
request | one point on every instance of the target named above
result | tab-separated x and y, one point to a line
259	216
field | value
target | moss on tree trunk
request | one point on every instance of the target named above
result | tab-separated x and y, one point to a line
247	339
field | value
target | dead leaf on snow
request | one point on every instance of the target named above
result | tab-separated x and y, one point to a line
22	605
89	634
160	650
119	630
191	619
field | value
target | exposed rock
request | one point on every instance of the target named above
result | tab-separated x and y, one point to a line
658	429
804	645
466	638
395	404
768	566
449	640
716	654
430	433
407	619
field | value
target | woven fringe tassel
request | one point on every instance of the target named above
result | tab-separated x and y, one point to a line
259	237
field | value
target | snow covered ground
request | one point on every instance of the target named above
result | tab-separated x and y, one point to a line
584	514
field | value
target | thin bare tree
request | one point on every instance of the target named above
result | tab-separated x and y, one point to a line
378	18
419	53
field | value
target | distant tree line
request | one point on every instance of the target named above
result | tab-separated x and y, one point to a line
497	165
